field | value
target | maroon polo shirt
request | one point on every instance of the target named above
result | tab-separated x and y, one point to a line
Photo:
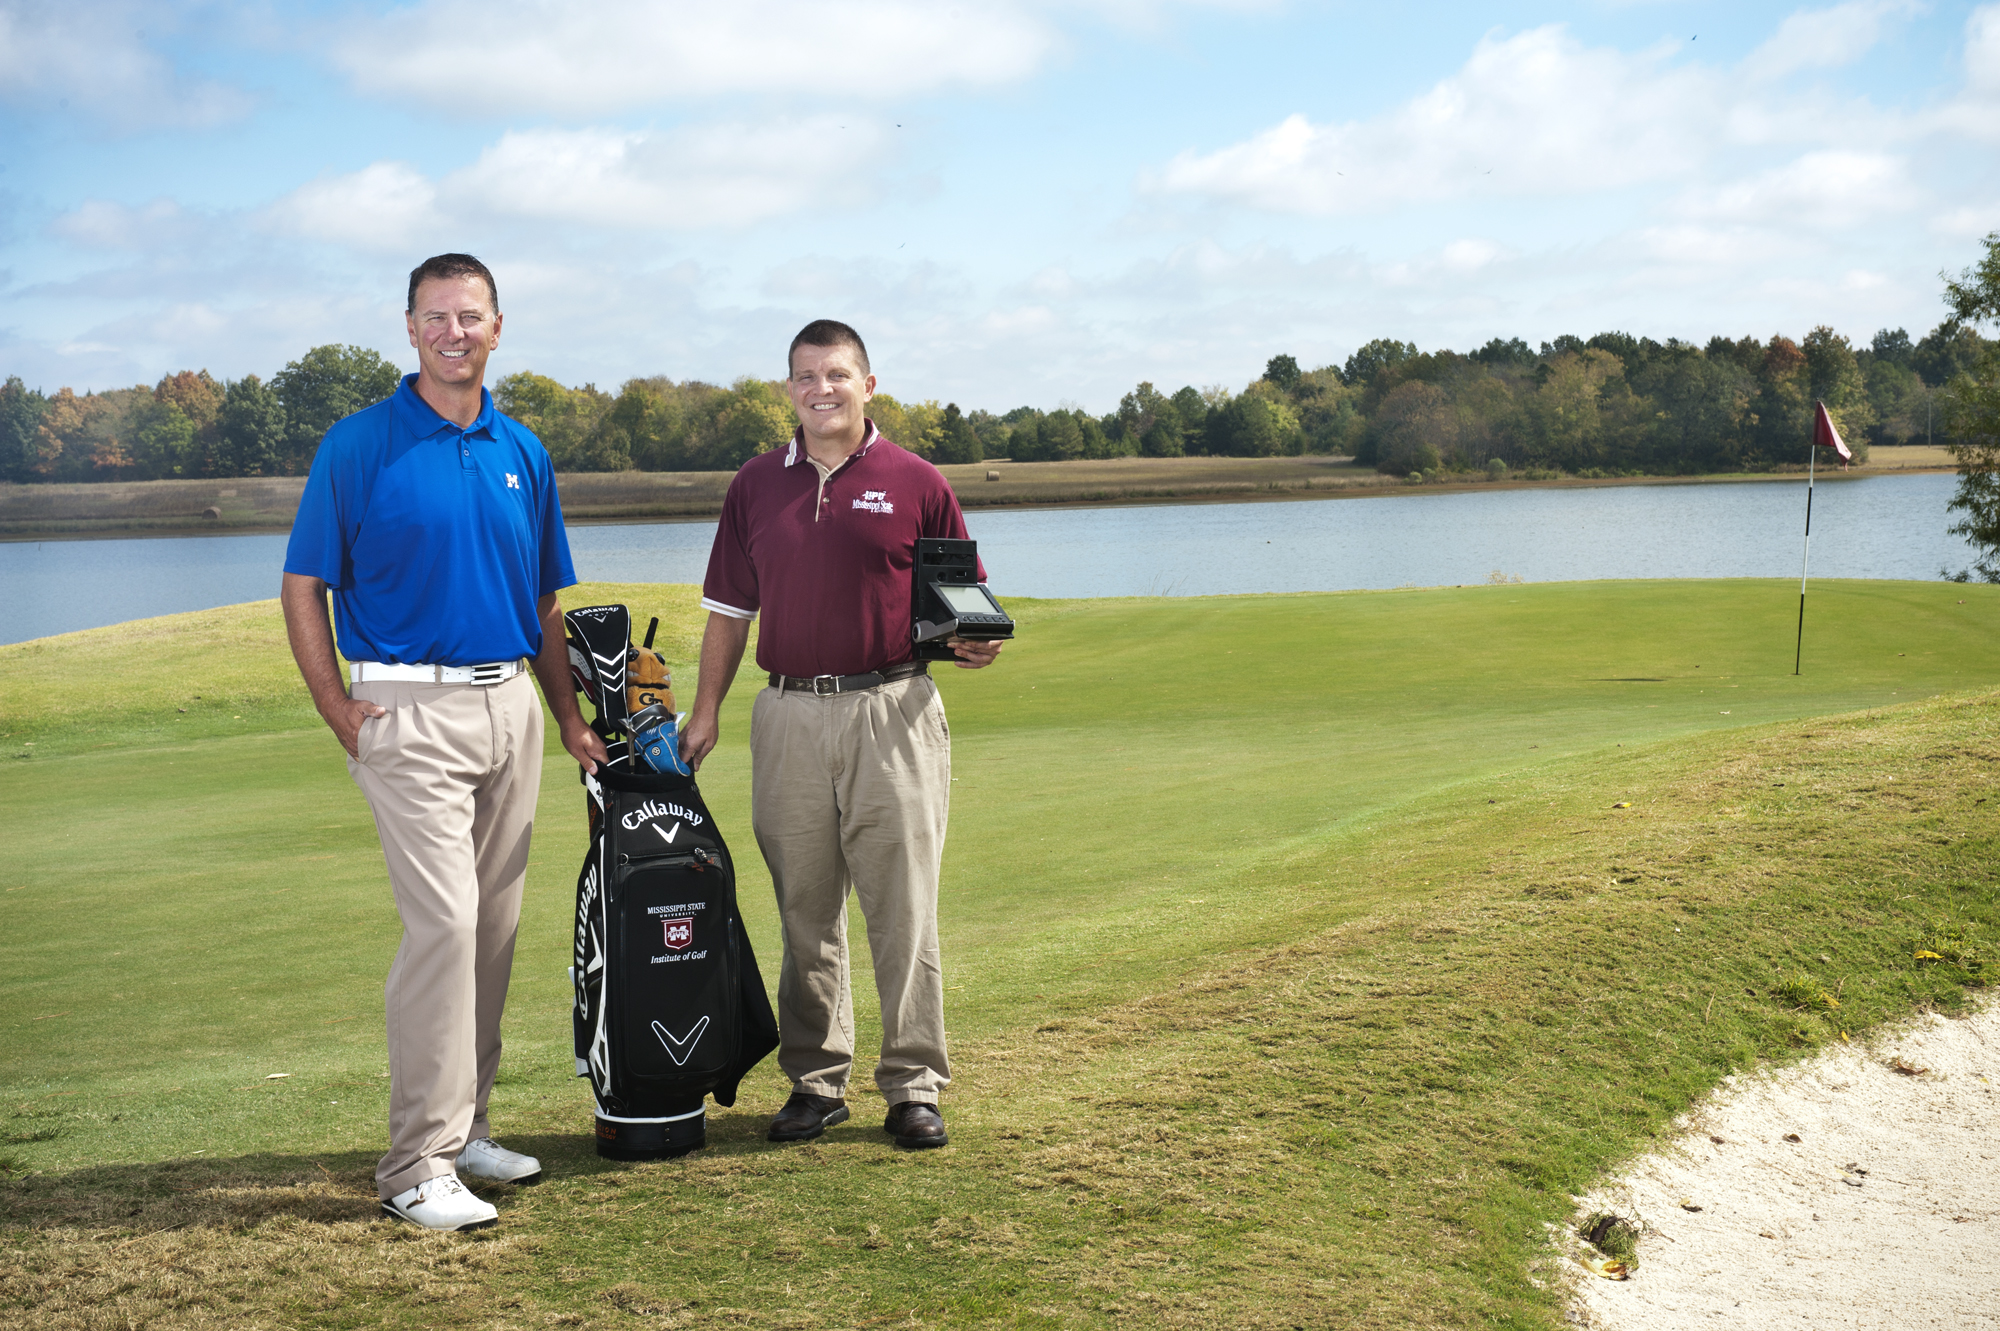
828	564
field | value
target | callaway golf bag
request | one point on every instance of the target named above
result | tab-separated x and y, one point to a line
669	1003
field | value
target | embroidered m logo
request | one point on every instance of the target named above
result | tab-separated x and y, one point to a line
513	481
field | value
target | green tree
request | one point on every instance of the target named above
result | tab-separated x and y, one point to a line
1974	415
1375	356
21	411
1284	372
249	429
325	385
755	416
1413	428
1193	410
1566	414
1505	352
1893	345
162	443
569	421
1259	423
1947	351
1834	376
1698	404
958	441
1781	411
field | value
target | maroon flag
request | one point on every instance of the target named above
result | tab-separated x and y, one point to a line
1825	436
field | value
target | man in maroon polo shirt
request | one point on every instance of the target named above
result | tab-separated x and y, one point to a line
850	758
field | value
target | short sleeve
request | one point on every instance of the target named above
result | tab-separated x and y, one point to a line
730	588
323	529
557	570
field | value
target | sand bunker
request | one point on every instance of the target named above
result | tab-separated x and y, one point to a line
1858	1189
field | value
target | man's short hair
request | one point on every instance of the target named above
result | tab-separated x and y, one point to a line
449	266
828	333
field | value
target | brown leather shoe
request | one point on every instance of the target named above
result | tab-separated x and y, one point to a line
915	1125
805	1117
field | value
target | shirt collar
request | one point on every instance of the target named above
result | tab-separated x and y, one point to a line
421	420
869	437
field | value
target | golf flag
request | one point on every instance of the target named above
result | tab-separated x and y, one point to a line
1825	436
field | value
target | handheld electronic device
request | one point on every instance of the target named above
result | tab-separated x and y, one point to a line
947	600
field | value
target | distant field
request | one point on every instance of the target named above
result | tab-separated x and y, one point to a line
35	512
1300	965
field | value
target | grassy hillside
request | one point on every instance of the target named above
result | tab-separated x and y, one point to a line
1299	964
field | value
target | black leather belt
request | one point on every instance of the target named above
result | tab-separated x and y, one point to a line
873	679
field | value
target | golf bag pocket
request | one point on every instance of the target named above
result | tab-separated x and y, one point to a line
674	1018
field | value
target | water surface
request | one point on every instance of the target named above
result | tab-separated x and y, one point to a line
1864	527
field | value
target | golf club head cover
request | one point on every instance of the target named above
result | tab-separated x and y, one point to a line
648	682
655	737
602	636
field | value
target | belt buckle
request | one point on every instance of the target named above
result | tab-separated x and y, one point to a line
489	673
825	684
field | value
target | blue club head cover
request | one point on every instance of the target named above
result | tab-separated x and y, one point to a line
659	747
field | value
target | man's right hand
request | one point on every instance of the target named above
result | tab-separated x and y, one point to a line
698	738
344	719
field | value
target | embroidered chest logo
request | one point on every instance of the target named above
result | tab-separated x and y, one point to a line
513	481
875	501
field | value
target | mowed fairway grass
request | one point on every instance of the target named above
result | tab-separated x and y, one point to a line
1300	965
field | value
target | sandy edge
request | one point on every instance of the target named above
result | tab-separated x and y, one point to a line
1884	1213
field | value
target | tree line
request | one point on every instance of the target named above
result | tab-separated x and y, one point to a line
1611	404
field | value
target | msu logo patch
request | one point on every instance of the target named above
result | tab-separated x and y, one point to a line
875	501
680	933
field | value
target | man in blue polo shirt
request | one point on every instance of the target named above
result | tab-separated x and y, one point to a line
434	520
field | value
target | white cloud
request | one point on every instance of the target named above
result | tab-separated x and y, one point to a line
706	176
103	225
588	60
702	177
383	206
1534	114
92	58
1825	38
1975	112
1832	187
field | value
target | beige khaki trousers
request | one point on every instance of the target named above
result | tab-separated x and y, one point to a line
451	773
850	791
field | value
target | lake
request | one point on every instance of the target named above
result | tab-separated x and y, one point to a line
1863	527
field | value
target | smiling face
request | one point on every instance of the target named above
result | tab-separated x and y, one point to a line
454	327
830	392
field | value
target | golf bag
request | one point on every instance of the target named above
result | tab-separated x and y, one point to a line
669	1006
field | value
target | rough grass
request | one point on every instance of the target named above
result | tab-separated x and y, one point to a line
1344	1079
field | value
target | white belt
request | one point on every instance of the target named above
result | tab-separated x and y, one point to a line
369	672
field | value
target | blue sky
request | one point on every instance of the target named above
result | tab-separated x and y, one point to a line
1015	201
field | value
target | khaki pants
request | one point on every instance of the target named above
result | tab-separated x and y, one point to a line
451	774
851	791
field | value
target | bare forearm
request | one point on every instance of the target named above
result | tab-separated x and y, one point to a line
311	637
722	645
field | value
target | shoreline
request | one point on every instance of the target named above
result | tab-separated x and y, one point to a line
254	506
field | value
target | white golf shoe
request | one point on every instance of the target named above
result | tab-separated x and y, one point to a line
488	1159
441	1203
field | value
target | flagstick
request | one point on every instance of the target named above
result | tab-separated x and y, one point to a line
1798	652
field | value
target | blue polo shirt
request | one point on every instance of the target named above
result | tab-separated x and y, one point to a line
437	541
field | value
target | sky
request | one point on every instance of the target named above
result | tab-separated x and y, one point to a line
1016	202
